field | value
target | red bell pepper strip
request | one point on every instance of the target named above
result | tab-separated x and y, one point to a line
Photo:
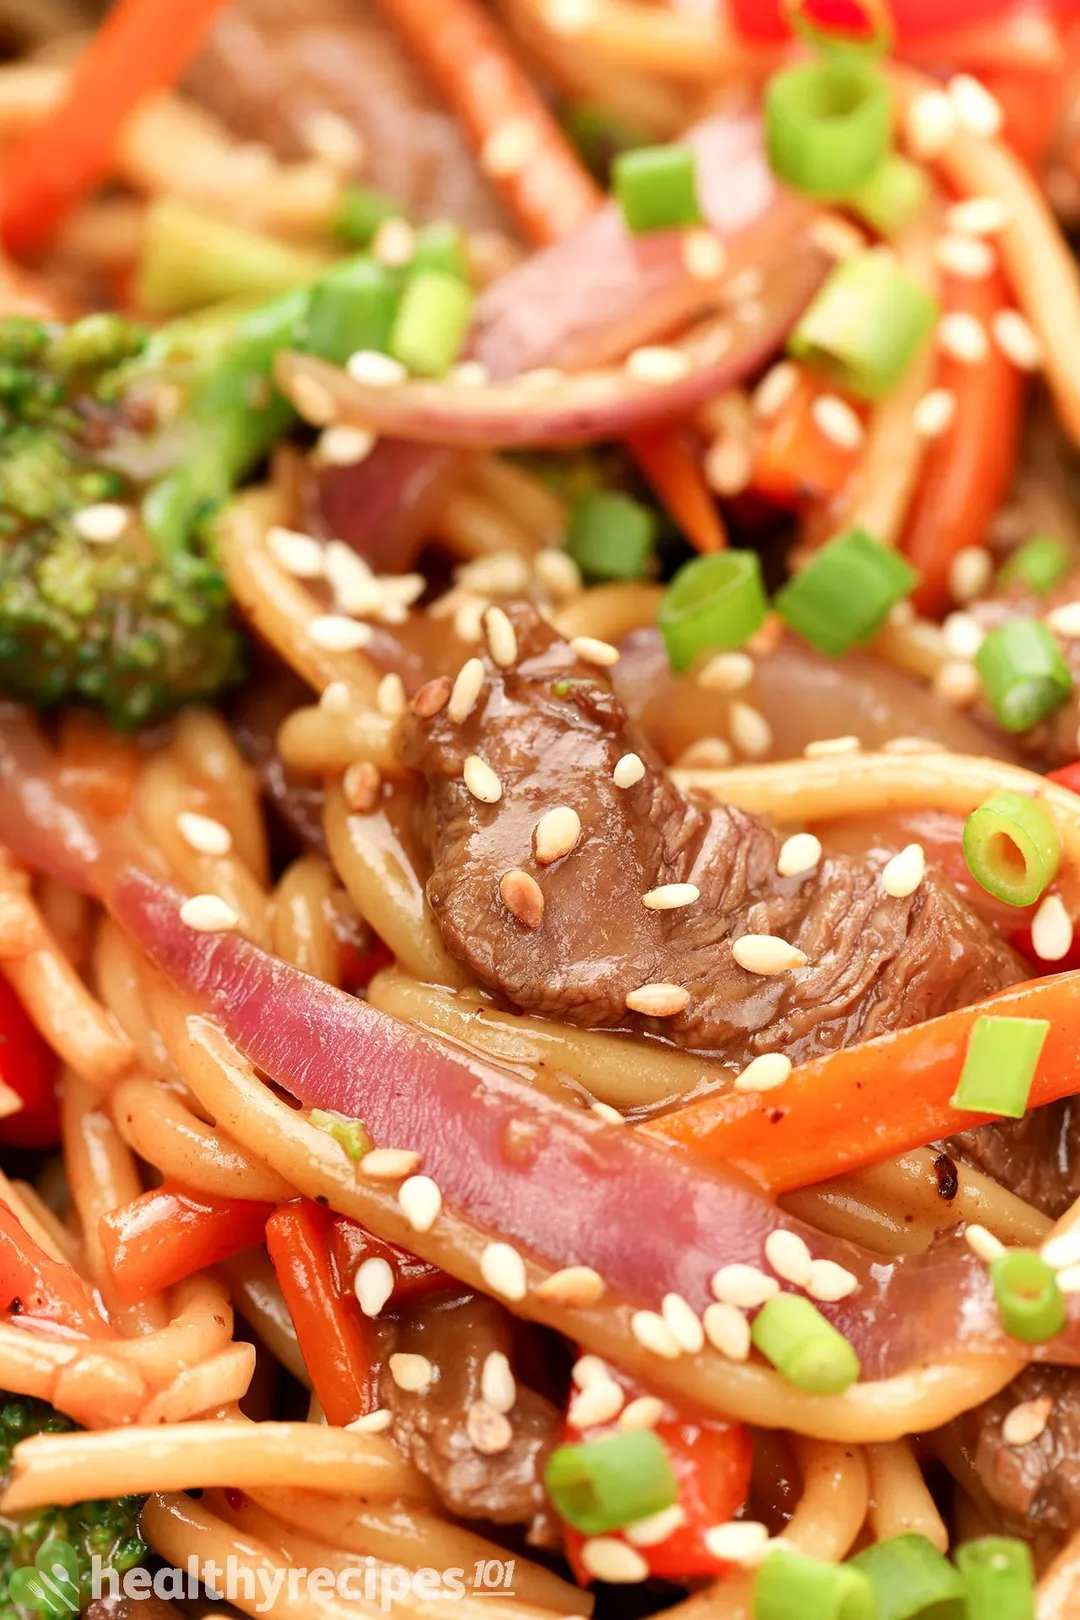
28	1066
352	1244
334	1341
142	46
36	1289
794	462
171	1232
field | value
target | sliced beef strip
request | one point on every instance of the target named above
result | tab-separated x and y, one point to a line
457	1333
1037	1485
552	730
267	65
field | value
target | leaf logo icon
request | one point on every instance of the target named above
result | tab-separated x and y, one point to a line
51	1588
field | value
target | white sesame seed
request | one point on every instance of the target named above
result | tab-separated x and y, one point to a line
830	747
333	632
658	1000
523	897
977	216
644	1413
394	243
470	374
799	853
356	590
298	554
976	109
741	1541
586	1369
540	380
902	875
503	1269
344	445
789	1256
609	1115
729	464
962	336
568	17
420	1201
743	1285
102	523
503	573
1026	1421
591	650
767	954
830	1282
935	413
704	255
1065	620
374	370
726	672
968	257
336	698
1017	340
1062	1252
656	1528
556	834
970	573
481	780
468	685
628	771
558	573
655	363
203	834
750	731
653	1334
497	1385
489	1432
727	1330
684	1323
1051	930
764	1073
930	124
501	639
983	1242
509	148
837	238
376	1422
374	1284
389	1164
963	633
840	424
911	745
600	1401
613	1561
957	683
411	1373
207	914
312	401
390	697
329	136
574	1285
774	390
671	896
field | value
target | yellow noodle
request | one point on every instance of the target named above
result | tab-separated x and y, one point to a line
116	971
257	1295
473	525
205	747
46	1229
900	1503
314	740
303	912
200	1325
609	611
530	501
67	915
90	1385
1058	1596
158	1126
195	1391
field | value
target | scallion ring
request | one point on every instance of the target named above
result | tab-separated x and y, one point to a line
790	1586
610	535
909	1576
841	598
999	1578
1039	565
835	41
1024	676
865	326
999	1065
1029	1301
431	323
713	604
829	125
601	1485
656	187
894	196
809	1352
1012	847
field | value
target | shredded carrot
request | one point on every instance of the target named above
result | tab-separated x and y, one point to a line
794	462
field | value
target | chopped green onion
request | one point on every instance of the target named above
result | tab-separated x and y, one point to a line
362	211
894	197
713	603
611	536
829	125
1012	847
866	325
792	1334
1023	673
999	1579
441	246
1029	1301
999	1066
790	1586
350	1134
656	187
189	259
909	1576
843	595
432	320
350	308
1040	563
603	1484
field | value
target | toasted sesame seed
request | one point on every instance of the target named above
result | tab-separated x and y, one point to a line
329	136
336	698
726	672
503	573
558	573
935	413
912	745
963	633
836	237
658	1000
501	640
612	1561
468	685
411	1373
470	374
298	554
390	696
540	380
1065	620
799	853
587	1368
593	651
957	683
600	1401
767	954
963	337
652	1333
968	257
1017	340
671	896
741	1541
481	780
651	1531
389	1164
207	914
609	1115
420	1201
628	771
1051	930
727	1330
983	1242
976	109
830	1282
644	1413
1062	1252
509	148
704	255
774	390
503	1269
684	1322
523	897
371	369
840	424
789	1256
1026	1421
489	1432
831	747
361	786
902	875
970	573
376	1422
335	633
729	464
497	1385
101	523
394	243
706	754
312	401
203	834
750	731
977	216
432	697
344	445
374	1284
556	834
1068	1280
574	1285
764	1073
356	590
743	1285
655	363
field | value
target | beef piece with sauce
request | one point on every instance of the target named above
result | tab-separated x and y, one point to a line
1037	1483
552	730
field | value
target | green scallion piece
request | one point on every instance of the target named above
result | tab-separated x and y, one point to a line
441	246
790	1586
843	595
1012	847
656	187
362	211
792	1334
894	197
432	320
1040	564
351	1134
1029	1301
829	125
352	307
909	1576
999	1578
611	536
999	1066
1024	676
714	603
865	326
600	1485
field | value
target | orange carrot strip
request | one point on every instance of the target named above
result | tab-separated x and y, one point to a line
794	462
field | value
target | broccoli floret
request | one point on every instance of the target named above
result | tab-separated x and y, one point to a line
108	1530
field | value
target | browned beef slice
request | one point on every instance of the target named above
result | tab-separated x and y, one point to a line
1039	1483
874	963
456	1334
268	65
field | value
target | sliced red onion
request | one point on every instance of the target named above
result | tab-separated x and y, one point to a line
385	506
